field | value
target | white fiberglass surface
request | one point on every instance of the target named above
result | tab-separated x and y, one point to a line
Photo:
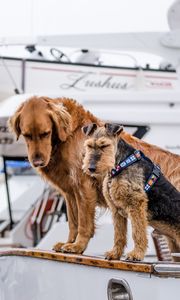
23	278
99	244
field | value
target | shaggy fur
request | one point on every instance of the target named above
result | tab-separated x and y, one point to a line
52	131
125	194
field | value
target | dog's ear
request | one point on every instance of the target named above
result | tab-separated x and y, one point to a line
113	129
89	129
14	122
61	119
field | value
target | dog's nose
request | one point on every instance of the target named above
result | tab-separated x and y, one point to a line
92	169
37	161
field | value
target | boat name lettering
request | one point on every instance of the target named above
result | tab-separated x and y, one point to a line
83	81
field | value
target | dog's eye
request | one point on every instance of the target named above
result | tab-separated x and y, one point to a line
90	146
28	136
104	146
44	134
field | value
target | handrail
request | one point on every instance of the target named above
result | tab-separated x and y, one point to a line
159	269
80	259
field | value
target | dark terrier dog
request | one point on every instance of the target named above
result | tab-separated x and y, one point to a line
139	192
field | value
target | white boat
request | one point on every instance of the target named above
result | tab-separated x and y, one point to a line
147	102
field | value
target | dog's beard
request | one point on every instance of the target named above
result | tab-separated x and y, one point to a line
98	173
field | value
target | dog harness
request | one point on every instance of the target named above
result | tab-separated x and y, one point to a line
133	158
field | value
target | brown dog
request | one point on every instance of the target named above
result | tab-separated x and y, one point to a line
52	131
124	172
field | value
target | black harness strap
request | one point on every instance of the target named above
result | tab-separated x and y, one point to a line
133	158
152	178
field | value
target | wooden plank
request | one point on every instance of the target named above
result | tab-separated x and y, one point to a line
81	259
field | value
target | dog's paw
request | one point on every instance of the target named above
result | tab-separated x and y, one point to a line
72	248
112	255
57	247
135	256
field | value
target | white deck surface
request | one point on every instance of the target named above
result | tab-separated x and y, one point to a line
98	245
